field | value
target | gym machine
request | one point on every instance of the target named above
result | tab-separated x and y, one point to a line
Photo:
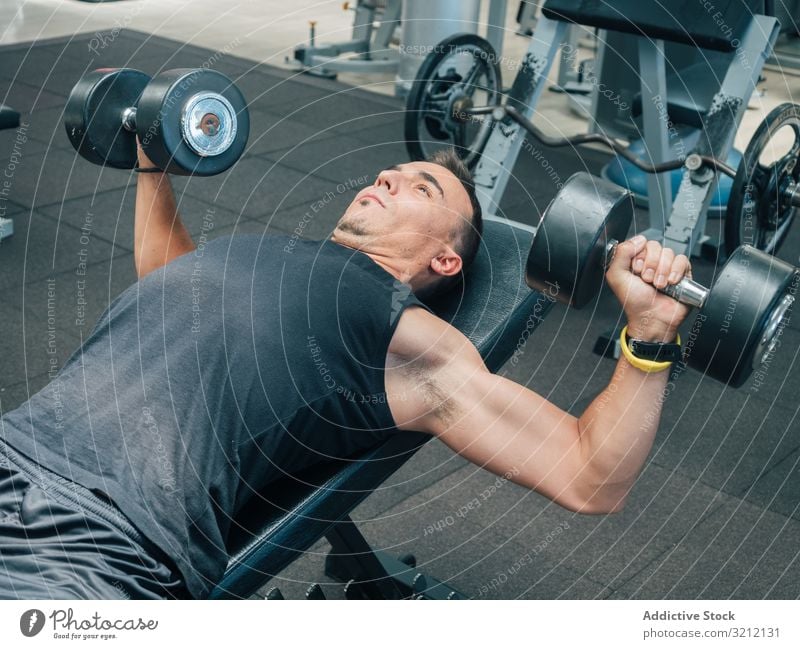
457	100
369	45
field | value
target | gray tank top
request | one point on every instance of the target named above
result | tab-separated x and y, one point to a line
246	359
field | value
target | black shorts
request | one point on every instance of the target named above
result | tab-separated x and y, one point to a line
58	540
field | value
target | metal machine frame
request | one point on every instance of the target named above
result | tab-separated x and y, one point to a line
681	222
369	44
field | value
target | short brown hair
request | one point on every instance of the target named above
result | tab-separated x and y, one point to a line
468	231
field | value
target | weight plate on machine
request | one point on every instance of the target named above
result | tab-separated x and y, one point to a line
462	71
758	212
738	327
94	113
567	256
193	122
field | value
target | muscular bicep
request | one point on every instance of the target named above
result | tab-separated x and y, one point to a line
511	430
439	384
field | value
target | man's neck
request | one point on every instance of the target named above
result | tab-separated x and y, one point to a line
383	258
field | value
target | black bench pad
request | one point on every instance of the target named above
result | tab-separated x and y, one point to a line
720	28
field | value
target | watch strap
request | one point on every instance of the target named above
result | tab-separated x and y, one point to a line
645	364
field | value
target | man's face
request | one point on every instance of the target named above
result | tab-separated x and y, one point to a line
412	209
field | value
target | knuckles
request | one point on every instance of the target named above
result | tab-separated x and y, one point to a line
654	256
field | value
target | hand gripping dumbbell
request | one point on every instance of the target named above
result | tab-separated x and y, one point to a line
740	317
189	121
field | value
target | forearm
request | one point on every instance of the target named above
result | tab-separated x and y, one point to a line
617	429
587	464
159	234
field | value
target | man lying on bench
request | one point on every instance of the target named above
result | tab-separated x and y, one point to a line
233	363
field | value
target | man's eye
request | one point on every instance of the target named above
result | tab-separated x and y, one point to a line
425	189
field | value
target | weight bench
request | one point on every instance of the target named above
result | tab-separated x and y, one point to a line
494	311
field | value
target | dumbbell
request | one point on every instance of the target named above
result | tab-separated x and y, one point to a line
189	121
739	318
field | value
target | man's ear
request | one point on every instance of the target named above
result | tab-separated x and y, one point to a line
447	263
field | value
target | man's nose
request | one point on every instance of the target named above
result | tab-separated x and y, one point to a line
389	179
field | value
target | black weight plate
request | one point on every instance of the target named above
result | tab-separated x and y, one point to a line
93	115
757	214
728	329
568	250
439	82
159	118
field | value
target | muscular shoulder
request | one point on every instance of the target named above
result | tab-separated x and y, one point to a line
427	357
419	334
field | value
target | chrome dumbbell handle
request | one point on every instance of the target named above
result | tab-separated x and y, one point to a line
687	291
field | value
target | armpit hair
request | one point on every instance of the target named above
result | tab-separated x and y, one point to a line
420	375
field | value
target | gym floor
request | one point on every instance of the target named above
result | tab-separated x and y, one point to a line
716	511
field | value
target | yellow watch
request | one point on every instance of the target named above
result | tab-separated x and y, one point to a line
646	356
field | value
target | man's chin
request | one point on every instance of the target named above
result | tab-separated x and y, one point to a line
352	228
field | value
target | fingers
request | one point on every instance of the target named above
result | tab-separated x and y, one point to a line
659	265
656	265
681	267
626	251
